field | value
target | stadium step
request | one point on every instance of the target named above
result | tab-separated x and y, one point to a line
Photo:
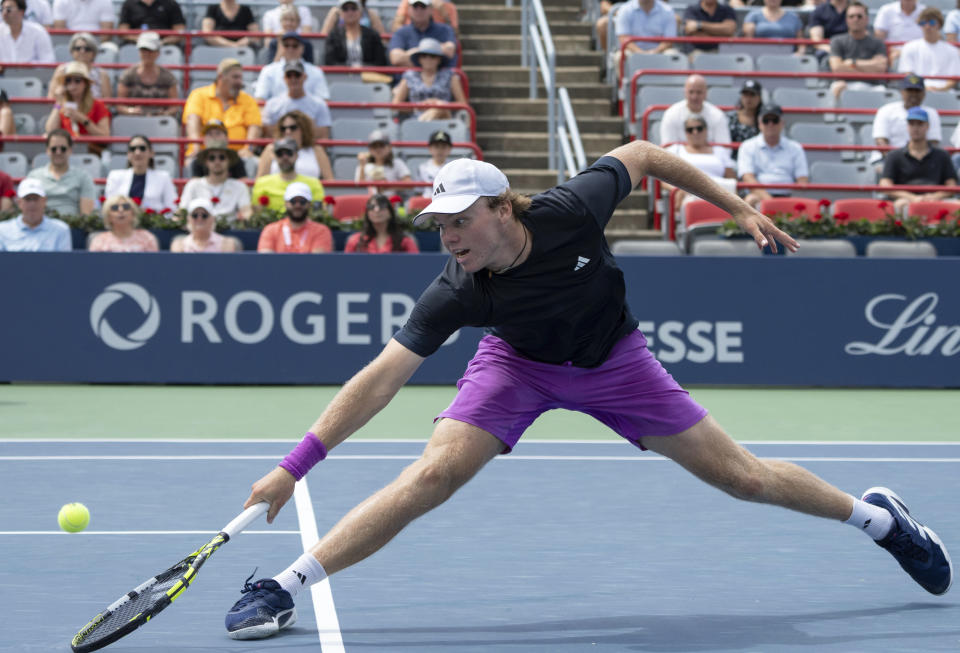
474	12
537	141
584	57
509	39
534	123
515	74
583	108
557	28
522	90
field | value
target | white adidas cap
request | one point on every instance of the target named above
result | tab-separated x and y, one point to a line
462	182
297	189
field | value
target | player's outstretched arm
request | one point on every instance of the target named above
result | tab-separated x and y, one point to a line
362	397
642	158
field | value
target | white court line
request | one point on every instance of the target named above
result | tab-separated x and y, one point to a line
328	626
618	441
144	533
637	458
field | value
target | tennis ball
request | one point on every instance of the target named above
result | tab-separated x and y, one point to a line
73	517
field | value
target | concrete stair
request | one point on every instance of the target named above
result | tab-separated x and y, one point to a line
512	128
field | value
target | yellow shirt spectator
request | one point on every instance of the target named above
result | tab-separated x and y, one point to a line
239	115
273	186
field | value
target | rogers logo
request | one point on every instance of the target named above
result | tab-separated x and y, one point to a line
907	328
114	293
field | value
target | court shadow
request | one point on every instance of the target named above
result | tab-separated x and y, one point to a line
695	632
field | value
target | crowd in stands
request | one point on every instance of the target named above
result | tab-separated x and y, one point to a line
227	178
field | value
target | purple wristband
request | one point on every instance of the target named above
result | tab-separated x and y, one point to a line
304	456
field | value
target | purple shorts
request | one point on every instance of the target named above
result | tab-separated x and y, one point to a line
502	392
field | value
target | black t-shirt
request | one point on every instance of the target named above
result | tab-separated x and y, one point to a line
161	14
902	168
696	12
221	23
832	21
566	302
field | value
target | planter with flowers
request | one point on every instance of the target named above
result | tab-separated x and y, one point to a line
942	230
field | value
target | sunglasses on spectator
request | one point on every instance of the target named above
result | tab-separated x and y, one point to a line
349	7
199	215
216	157
856	15
58	149
770	120
74	80
377	205
294	74
121	207
137	148
931	22
298	201
289	128
695	129
285	153
292	44
8	9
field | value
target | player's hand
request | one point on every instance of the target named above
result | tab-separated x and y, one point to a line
762	229
275	488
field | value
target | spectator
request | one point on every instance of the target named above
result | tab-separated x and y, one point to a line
296	99
83	48
311	158
744	119
271	19
931	56
76	110
241	116
229	16
32	231
602	25
152	15
214	132
296	233
855	51
230	198
772	22
890	122
120	217
147	80
827	20
7	191
83	15
69	191
441	11
382	233
149	188
771	158
708	18
897	21
644	18
201	237
406	40
268	190
713	160
23	41
917	164
434	83
289	22
380	164
39	12
440	144
351	43
8	126
368	17
270	83
951	25
695	101
954	141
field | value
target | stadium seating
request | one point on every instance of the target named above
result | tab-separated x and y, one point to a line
871	209
349	207
633	247
14	164
824	248
795	206
932	210
901	249
735	247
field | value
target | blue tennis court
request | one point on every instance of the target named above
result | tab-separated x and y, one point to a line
560	546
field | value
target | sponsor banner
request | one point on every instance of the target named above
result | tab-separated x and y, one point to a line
248	318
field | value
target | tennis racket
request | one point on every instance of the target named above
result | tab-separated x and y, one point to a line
141	604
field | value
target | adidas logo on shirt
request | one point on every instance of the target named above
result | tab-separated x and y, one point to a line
581	261
440	189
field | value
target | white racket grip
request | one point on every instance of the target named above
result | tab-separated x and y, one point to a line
245	518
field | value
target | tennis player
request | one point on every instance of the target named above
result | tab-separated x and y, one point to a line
537	272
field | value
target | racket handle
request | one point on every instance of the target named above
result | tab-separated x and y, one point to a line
245	518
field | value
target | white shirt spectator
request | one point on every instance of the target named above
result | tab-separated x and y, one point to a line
955	138
33	45
898	25
270	83
232	195
427	171
929	60
890	123
671	125
84	15
39	12
715	164
951	24
271	20
315	109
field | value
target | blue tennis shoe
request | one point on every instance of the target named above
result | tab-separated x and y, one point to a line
264	610
917	548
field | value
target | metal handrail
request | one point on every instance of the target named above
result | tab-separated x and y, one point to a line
568	133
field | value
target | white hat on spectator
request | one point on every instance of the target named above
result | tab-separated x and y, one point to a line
462	182
200	203
31	186
297	189
148	41
430	46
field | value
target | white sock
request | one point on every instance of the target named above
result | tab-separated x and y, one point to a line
304	572
872	520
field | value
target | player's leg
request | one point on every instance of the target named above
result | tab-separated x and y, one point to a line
455	452
708	452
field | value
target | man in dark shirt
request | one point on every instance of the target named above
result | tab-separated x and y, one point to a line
152	15
537	272
918	163
708	18
826	21
855	51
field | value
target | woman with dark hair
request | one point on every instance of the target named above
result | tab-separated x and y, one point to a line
381	234
743	120
379	163
312	159
369	17
433	83
351	43
149	188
